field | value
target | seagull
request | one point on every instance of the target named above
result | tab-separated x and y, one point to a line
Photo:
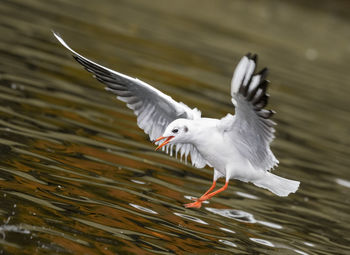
235	146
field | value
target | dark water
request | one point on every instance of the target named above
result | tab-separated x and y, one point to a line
77	176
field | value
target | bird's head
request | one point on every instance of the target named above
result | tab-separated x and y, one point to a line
177	131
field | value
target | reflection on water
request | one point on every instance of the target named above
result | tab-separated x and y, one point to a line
263	242
234	214
77	176
191	218
144	209
227	243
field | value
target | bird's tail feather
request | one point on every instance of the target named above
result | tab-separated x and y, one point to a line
278	185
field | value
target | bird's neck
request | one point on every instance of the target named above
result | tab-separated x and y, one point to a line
203	130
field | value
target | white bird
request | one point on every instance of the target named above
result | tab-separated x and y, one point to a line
236	146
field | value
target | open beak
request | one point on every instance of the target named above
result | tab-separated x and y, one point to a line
168	138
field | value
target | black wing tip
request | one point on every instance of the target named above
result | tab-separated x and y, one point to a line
262	103
243	89
266	114
262	87
91	66
263	71
258	96
255	58
263	74
76	58
80	60
251	56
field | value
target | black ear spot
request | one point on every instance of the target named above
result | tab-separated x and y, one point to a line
186	128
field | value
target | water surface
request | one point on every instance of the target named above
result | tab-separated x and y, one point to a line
77	176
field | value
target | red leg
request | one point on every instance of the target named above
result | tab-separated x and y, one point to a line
206	196
210	189
210	195
198	204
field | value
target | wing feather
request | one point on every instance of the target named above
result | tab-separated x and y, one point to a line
154	110
251	128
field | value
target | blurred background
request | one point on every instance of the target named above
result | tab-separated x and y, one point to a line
77	176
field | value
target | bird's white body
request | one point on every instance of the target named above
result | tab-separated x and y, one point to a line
218	151
221	153
236	146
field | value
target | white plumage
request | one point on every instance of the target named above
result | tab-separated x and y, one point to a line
236	146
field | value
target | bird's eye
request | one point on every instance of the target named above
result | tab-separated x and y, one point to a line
175	130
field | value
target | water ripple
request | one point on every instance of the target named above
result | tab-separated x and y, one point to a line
246	195
227	243
228	230
143	208
262	241
233	214
270	224
192	218
301	252
343	182
14	228
77	175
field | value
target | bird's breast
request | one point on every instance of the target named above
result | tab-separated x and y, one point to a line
217	151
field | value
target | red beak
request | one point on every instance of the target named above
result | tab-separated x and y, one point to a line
168	138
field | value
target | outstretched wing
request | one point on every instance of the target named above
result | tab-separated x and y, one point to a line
251	128
154	110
